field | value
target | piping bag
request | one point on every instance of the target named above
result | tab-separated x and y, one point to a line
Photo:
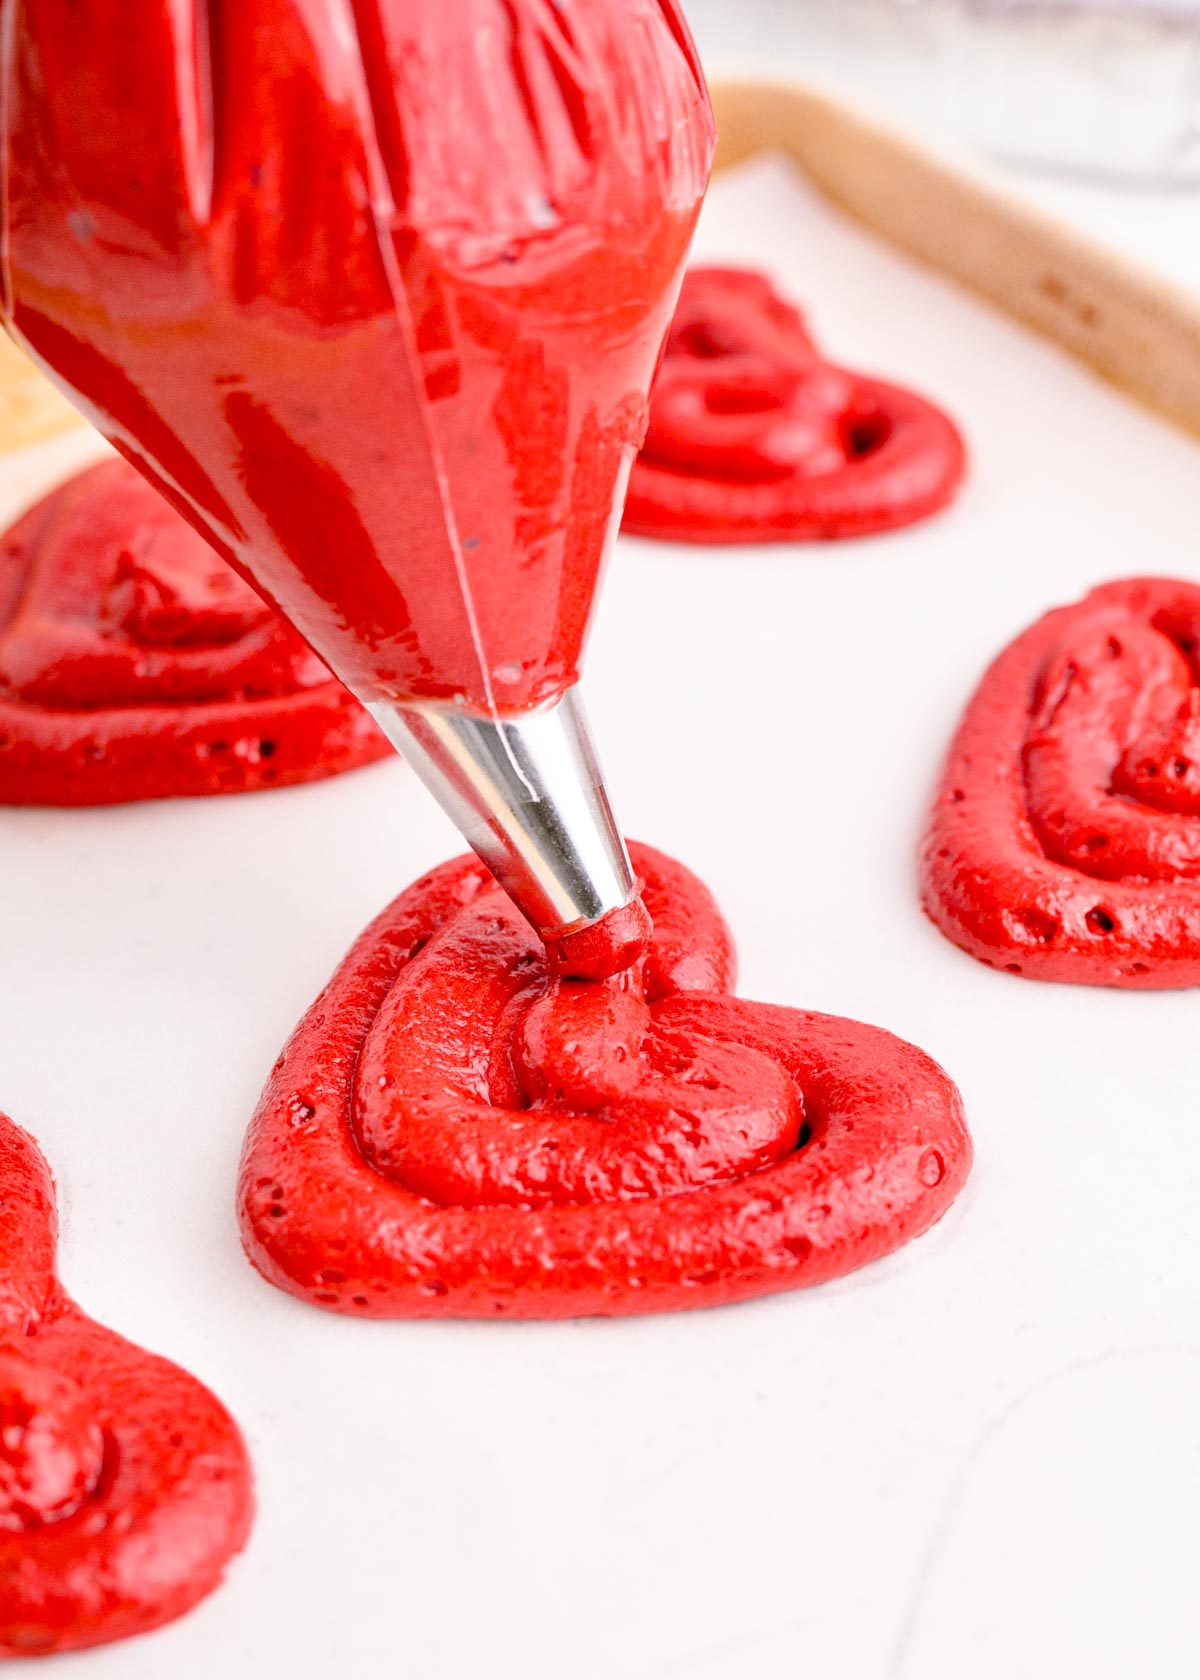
373	291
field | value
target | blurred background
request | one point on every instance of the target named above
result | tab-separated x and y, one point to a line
1092	106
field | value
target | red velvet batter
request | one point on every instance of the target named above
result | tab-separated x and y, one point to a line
605	948
1065	840
124	1484
452	1133
753	437
135	665
393	364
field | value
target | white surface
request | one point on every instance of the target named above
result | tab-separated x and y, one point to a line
971	1455
905	58
1104	88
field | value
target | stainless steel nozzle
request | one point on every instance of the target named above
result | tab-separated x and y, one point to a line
527	794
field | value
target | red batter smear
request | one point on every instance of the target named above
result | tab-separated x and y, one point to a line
451	1132
603	948
124	1484
753	437
134	664
1065	840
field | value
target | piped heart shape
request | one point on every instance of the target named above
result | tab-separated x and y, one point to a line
124	1484
754	437
1064	843
454	1132
134	664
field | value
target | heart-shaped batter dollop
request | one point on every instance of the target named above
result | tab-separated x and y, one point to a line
454	1130
754	437
134	664
1064	842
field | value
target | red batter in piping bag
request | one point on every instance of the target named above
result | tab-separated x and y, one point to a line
453	1133
135	665
389	355
373	290
1064	843
124	1484
754	437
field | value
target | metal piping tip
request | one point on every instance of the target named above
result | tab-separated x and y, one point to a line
527	794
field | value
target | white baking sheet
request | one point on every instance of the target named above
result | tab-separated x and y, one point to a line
977	1458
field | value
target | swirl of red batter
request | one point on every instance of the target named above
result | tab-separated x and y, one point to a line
124	1484
454	1132
134	664
1064	843
753	437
